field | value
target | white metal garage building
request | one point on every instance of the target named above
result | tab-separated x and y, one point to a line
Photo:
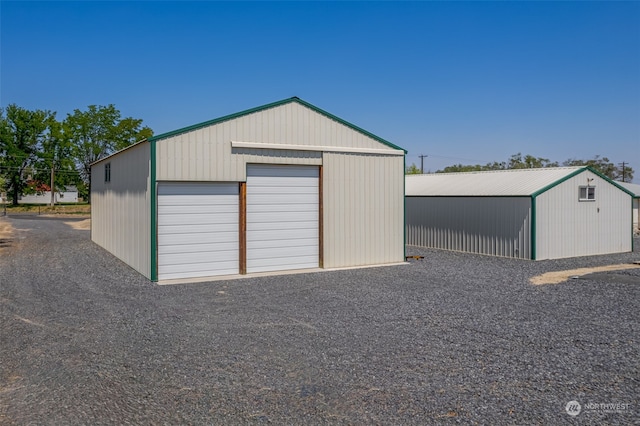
280	187
545	213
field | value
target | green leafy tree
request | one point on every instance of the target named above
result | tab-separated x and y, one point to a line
412	170
606	167
457	168
474	168
98	132
496	165
55	164
129	131
517	161
21	135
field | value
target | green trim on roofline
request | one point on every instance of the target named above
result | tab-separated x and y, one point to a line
613	182
273	105
217	120
558	182
577	172
108	157
154	213
346	123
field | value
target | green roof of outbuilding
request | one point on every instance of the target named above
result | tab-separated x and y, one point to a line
272	105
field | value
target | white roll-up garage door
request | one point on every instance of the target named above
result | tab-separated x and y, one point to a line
198	231
282	217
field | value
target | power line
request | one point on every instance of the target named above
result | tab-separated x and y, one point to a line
450	158
29	169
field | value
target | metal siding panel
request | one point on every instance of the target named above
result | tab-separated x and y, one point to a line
484	225
176	159
120	210
364	206
205	154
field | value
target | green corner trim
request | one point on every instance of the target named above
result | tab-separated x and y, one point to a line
533	227
404	205
273	105
632	235
154	213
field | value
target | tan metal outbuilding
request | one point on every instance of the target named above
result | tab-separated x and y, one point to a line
545	213
283	186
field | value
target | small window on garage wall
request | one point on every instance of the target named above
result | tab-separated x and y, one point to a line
107	172
587	193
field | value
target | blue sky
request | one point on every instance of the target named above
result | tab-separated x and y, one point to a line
461	82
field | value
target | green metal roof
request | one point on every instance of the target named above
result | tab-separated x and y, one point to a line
268	106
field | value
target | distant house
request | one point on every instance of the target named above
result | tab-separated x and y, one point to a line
66	195
635	189
545	213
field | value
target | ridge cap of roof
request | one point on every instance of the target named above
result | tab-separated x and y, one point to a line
475	172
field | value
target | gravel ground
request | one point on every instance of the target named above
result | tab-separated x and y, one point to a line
453	338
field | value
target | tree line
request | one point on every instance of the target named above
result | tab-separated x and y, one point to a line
39	153
621	172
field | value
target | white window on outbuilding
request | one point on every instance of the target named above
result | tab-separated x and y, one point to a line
587	193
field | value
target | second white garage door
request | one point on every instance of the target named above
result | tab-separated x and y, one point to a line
282	217
198	230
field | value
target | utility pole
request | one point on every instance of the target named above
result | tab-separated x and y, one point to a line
53	193
422	162
624	173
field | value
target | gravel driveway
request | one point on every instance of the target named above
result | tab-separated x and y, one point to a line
452	338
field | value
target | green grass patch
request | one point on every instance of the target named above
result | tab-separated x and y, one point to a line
60	208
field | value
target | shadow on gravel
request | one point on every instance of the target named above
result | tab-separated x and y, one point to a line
5	243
